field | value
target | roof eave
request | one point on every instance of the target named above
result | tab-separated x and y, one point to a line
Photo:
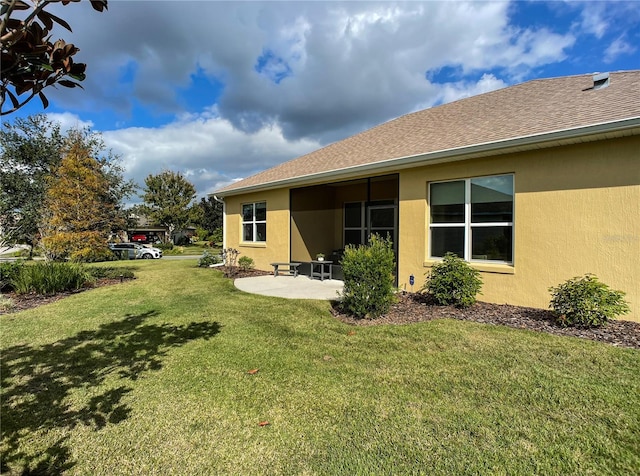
630	126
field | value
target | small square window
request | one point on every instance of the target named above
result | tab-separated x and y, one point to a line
254	222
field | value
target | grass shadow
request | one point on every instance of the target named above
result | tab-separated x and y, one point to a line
37	381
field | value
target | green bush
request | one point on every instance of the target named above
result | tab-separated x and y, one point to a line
164	246
245	263
50	278
202	234
182	240
216	237
584	301
208	258
453	281
8	272
368	278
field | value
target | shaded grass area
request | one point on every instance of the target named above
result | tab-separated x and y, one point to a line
151	377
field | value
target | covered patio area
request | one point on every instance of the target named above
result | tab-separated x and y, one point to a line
327	218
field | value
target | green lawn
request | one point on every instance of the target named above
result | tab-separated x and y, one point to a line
194	250
151	377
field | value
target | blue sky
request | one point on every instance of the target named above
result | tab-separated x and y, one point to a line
221	90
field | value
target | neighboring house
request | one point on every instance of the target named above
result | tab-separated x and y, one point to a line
532	184
143	230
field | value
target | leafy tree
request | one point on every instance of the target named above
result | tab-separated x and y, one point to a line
30	61
77	218
208	214
119	189
30	150
166	198
82	203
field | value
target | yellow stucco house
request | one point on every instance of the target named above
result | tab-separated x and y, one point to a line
532	184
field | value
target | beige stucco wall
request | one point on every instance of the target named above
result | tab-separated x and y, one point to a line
312	222
276	248
577	211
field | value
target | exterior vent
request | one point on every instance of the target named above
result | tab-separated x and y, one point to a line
600	80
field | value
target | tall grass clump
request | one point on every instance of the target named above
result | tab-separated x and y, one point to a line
368	278
8	272
50	278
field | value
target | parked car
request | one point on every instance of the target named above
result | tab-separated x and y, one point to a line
148	252
139	238
135	251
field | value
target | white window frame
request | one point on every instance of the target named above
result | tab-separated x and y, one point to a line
467	225
253	222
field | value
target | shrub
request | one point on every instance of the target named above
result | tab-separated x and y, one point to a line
183	240
368	278
164	246
216	237
201	234
208	258
80	247
453	281
8	272
245	263
50	278
584	301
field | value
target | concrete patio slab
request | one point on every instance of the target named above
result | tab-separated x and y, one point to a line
300	287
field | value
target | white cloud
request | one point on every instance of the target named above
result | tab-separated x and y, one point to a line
208	150
295	75
454	91
329	68
617	48
593	18
68	121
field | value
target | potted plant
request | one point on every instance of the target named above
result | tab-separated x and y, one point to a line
320	256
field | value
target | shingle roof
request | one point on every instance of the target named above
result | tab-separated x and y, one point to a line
530	109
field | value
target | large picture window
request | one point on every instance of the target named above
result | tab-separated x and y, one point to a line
254	222
472	218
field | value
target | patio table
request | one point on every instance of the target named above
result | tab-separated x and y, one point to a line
321	269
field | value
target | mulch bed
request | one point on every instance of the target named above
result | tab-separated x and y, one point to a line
414	307
236	273
21	302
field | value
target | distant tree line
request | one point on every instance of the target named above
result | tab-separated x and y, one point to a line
66	193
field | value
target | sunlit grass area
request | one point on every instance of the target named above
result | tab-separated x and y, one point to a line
151	376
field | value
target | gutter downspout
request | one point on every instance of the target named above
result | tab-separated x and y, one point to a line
224	220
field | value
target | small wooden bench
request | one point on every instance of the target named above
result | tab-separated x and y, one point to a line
292	269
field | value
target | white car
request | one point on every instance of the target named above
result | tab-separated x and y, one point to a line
149	252
135	251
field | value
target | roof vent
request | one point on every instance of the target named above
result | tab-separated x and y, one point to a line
600	80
